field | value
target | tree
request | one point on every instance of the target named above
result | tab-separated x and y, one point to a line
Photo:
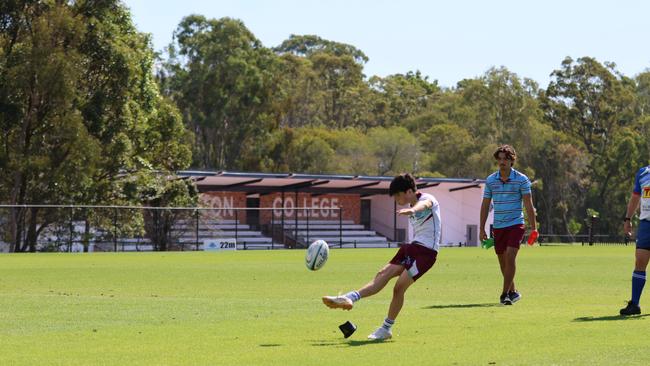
401	96
592	103
78	102
354	151
310	154
450	144
643	93
337	71
300	93
464	125
162	192
503	107
395	149
309	45
222	79
559	167
589	101
642	123
341	77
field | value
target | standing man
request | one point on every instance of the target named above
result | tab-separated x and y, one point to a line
507	188
641	193
411	261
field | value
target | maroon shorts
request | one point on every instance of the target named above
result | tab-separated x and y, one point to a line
416	258
510	236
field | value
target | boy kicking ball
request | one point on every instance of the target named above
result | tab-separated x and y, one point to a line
411	261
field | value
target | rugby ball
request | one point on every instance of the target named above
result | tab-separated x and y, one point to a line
317	254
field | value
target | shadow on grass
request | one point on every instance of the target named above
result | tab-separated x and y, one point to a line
607	318
366	342
462	306
348	343
270	345
325	343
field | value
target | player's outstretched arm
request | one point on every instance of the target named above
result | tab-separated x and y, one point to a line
419	206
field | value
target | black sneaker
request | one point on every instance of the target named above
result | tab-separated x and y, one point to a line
505	299
514	296
631	309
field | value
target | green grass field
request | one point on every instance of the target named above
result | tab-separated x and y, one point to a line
264	308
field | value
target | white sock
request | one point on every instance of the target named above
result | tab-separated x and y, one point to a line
353	295
388	324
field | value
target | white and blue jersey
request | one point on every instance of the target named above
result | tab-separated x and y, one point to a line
426	223
642	188
507	197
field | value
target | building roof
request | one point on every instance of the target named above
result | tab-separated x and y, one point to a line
263	183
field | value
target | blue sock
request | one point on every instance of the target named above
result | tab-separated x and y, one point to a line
388	323
638	281
353	295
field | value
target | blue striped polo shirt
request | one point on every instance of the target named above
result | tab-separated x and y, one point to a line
507	197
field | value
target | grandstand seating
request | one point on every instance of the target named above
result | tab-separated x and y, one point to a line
344	234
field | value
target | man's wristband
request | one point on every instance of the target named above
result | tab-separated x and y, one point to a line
627	219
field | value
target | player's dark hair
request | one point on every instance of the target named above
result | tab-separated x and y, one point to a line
510	152
402	183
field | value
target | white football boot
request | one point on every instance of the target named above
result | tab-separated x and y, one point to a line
381	334
338	302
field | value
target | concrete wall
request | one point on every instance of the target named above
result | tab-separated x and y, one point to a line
382	218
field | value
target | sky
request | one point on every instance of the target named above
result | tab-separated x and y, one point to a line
446	40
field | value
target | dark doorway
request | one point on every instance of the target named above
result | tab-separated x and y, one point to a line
366	217
253	216
472	235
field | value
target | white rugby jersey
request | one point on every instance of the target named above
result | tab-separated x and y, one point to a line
642	188
426	223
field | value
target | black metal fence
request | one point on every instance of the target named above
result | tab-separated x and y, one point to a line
68	228
586	239
31	228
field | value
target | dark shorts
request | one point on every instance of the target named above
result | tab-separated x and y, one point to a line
643	235
510	236
417	259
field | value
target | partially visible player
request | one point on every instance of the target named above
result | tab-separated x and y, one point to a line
411	261
640	194
507	189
